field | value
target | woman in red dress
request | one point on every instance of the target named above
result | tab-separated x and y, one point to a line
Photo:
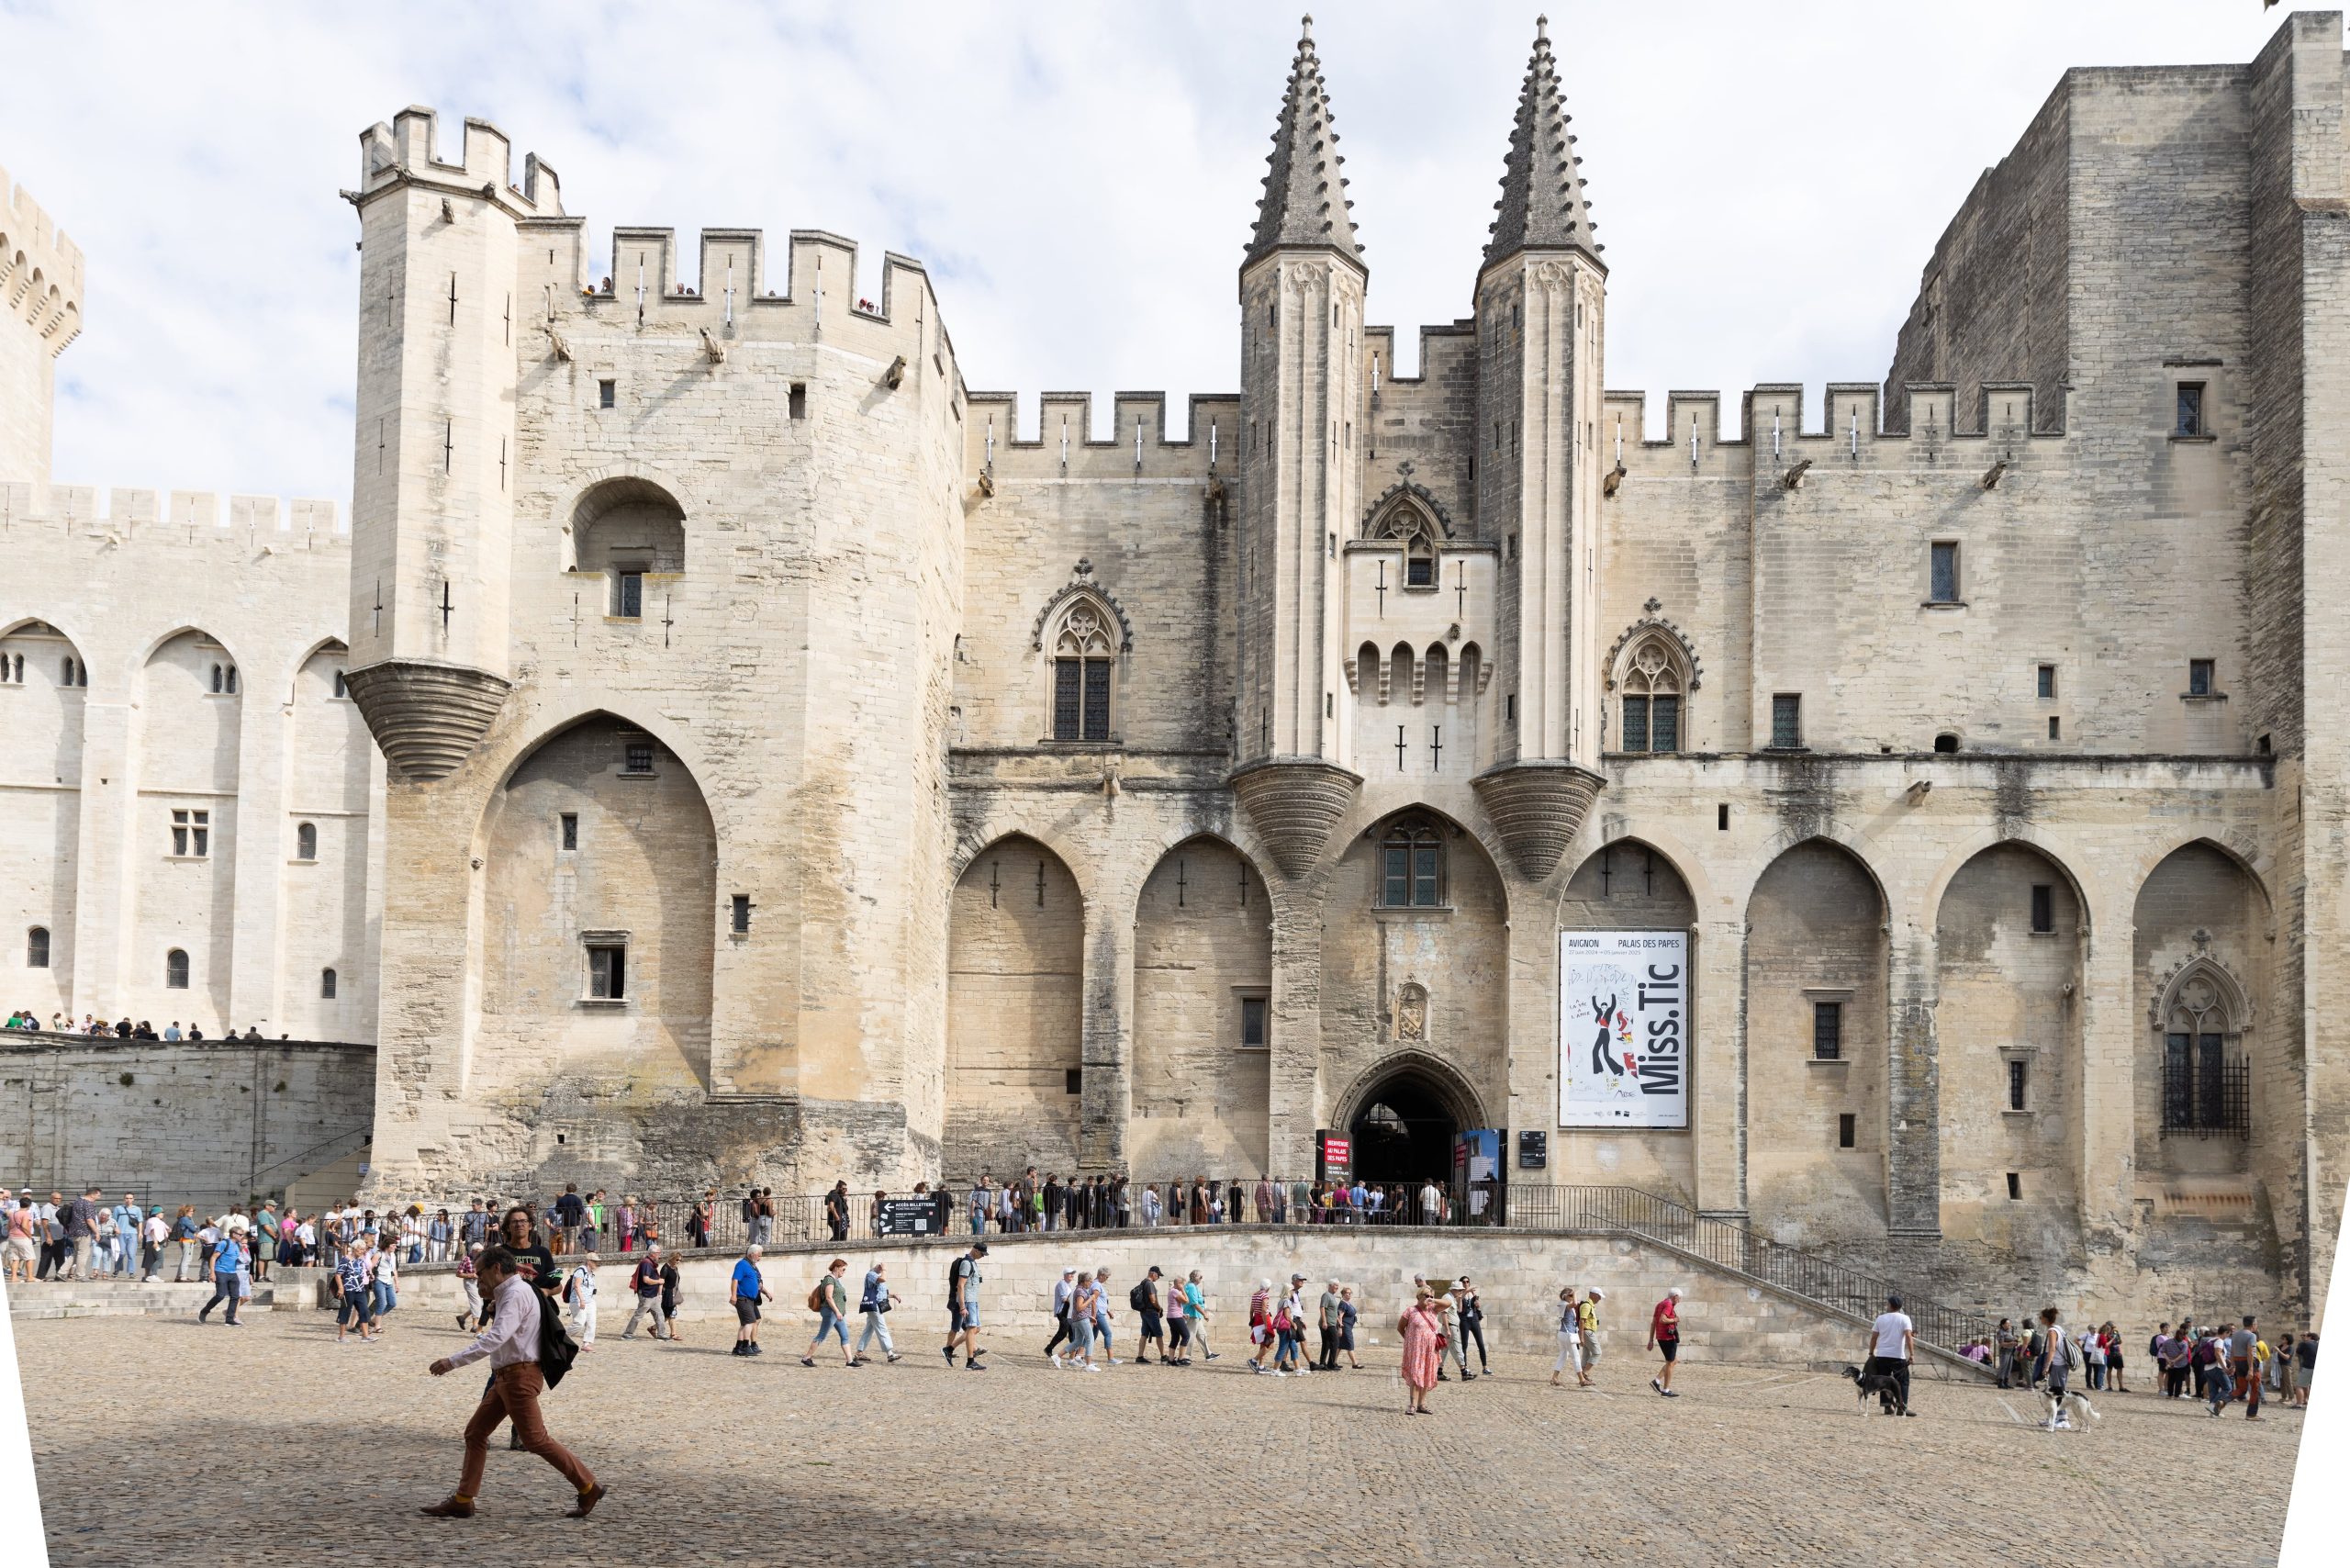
1422	1326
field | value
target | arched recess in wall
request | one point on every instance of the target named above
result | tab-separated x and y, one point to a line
2008	949
44	686
187	723
592	945
325	891
1415	955
1202	1030
630	532
1817	1048
2207	1076
1015	975
1631	886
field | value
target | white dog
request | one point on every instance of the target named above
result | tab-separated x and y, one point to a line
2063	1407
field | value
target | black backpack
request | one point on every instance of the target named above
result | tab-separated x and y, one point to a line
1140	1297
557	1349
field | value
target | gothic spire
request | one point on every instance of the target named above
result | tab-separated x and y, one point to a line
1542	204
1305	200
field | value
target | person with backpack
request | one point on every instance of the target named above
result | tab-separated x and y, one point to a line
645	1283
963	1307
829	1302
1144	1299
2063	1357
528	1353
579	1294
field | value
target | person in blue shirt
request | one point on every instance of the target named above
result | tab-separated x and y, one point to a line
130	1220
230	1259
746	1290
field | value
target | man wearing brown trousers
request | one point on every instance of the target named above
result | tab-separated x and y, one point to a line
512	1343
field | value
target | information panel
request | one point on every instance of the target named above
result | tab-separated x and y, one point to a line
1623	1029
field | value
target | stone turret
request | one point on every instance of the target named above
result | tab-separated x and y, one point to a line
1542	299
1302	398
40	312
432	482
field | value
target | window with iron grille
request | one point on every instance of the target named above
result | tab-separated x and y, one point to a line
1787	721
607	971
1827	1031
2018	1079
1943	586
637	757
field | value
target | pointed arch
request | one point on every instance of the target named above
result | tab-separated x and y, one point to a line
1015	975
1386	517
1203	1031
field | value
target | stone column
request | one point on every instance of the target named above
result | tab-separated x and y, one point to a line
1717	1066
2110	1031
264	760
104	887
1106	1032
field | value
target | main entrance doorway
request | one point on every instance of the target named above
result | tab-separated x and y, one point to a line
1402	1122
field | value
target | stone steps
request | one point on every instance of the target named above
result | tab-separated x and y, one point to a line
121	1298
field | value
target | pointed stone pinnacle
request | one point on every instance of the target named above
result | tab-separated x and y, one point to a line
1302	205
1543	205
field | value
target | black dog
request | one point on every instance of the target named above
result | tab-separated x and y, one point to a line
1882	1387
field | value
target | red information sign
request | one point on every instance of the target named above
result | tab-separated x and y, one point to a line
1337	1157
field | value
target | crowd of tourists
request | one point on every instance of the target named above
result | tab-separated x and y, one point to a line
26	1021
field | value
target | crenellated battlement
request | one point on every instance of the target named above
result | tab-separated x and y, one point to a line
41	268
1772	418
732	278
407	151
176	517
1066	448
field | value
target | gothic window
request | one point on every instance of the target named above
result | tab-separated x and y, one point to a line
306	842
1419	562
1082	653
1411	866
1652	683
36	947
2206	1083
176	969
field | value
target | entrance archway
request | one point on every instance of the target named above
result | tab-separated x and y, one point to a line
1402	1117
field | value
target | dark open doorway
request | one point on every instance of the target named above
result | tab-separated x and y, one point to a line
1403	1132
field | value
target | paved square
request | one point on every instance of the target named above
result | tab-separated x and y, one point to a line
159	1441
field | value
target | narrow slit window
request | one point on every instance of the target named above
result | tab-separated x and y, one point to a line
326	985
628	596
607	394
2056	728
2043	907
1073	1080
36	947
2015	1186
742	914
306	842
1253	1014
2047	680
800	400
2019	1082
176	969
569	830
2189	419
1847	1130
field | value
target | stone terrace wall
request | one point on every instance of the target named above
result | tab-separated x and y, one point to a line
1518	1278
178	1121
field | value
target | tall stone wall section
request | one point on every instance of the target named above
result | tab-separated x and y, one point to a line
211	1121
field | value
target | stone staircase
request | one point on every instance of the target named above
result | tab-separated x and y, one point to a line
121	1298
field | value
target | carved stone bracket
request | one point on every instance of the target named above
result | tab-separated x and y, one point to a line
426	718
1293	803
1537	807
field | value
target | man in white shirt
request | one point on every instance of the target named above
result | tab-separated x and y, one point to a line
1892	1345
512	1343
1431	1203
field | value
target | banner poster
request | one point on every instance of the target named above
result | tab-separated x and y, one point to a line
1623	1029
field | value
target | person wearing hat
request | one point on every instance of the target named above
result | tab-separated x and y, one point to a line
579	1294
1260	1325
230	1258
1064	1289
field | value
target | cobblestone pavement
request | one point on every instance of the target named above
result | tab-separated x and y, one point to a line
160	1441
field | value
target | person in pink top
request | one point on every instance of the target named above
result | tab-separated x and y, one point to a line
1422	1326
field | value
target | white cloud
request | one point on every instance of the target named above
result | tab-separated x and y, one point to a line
1769	179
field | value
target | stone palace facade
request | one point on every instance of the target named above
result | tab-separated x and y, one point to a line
785	767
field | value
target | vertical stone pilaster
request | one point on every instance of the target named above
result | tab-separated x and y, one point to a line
1718	1070
1913	1160
2110	1032
1293	1098
1106	1042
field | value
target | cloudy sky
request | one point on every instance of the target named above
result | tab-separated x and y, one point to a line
1769	177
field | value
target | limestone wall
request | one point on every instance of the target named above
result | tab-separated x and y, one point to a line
186	1122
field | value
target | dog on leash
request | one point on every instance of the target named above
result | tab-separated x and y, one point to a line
1883	1388
2064	1407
